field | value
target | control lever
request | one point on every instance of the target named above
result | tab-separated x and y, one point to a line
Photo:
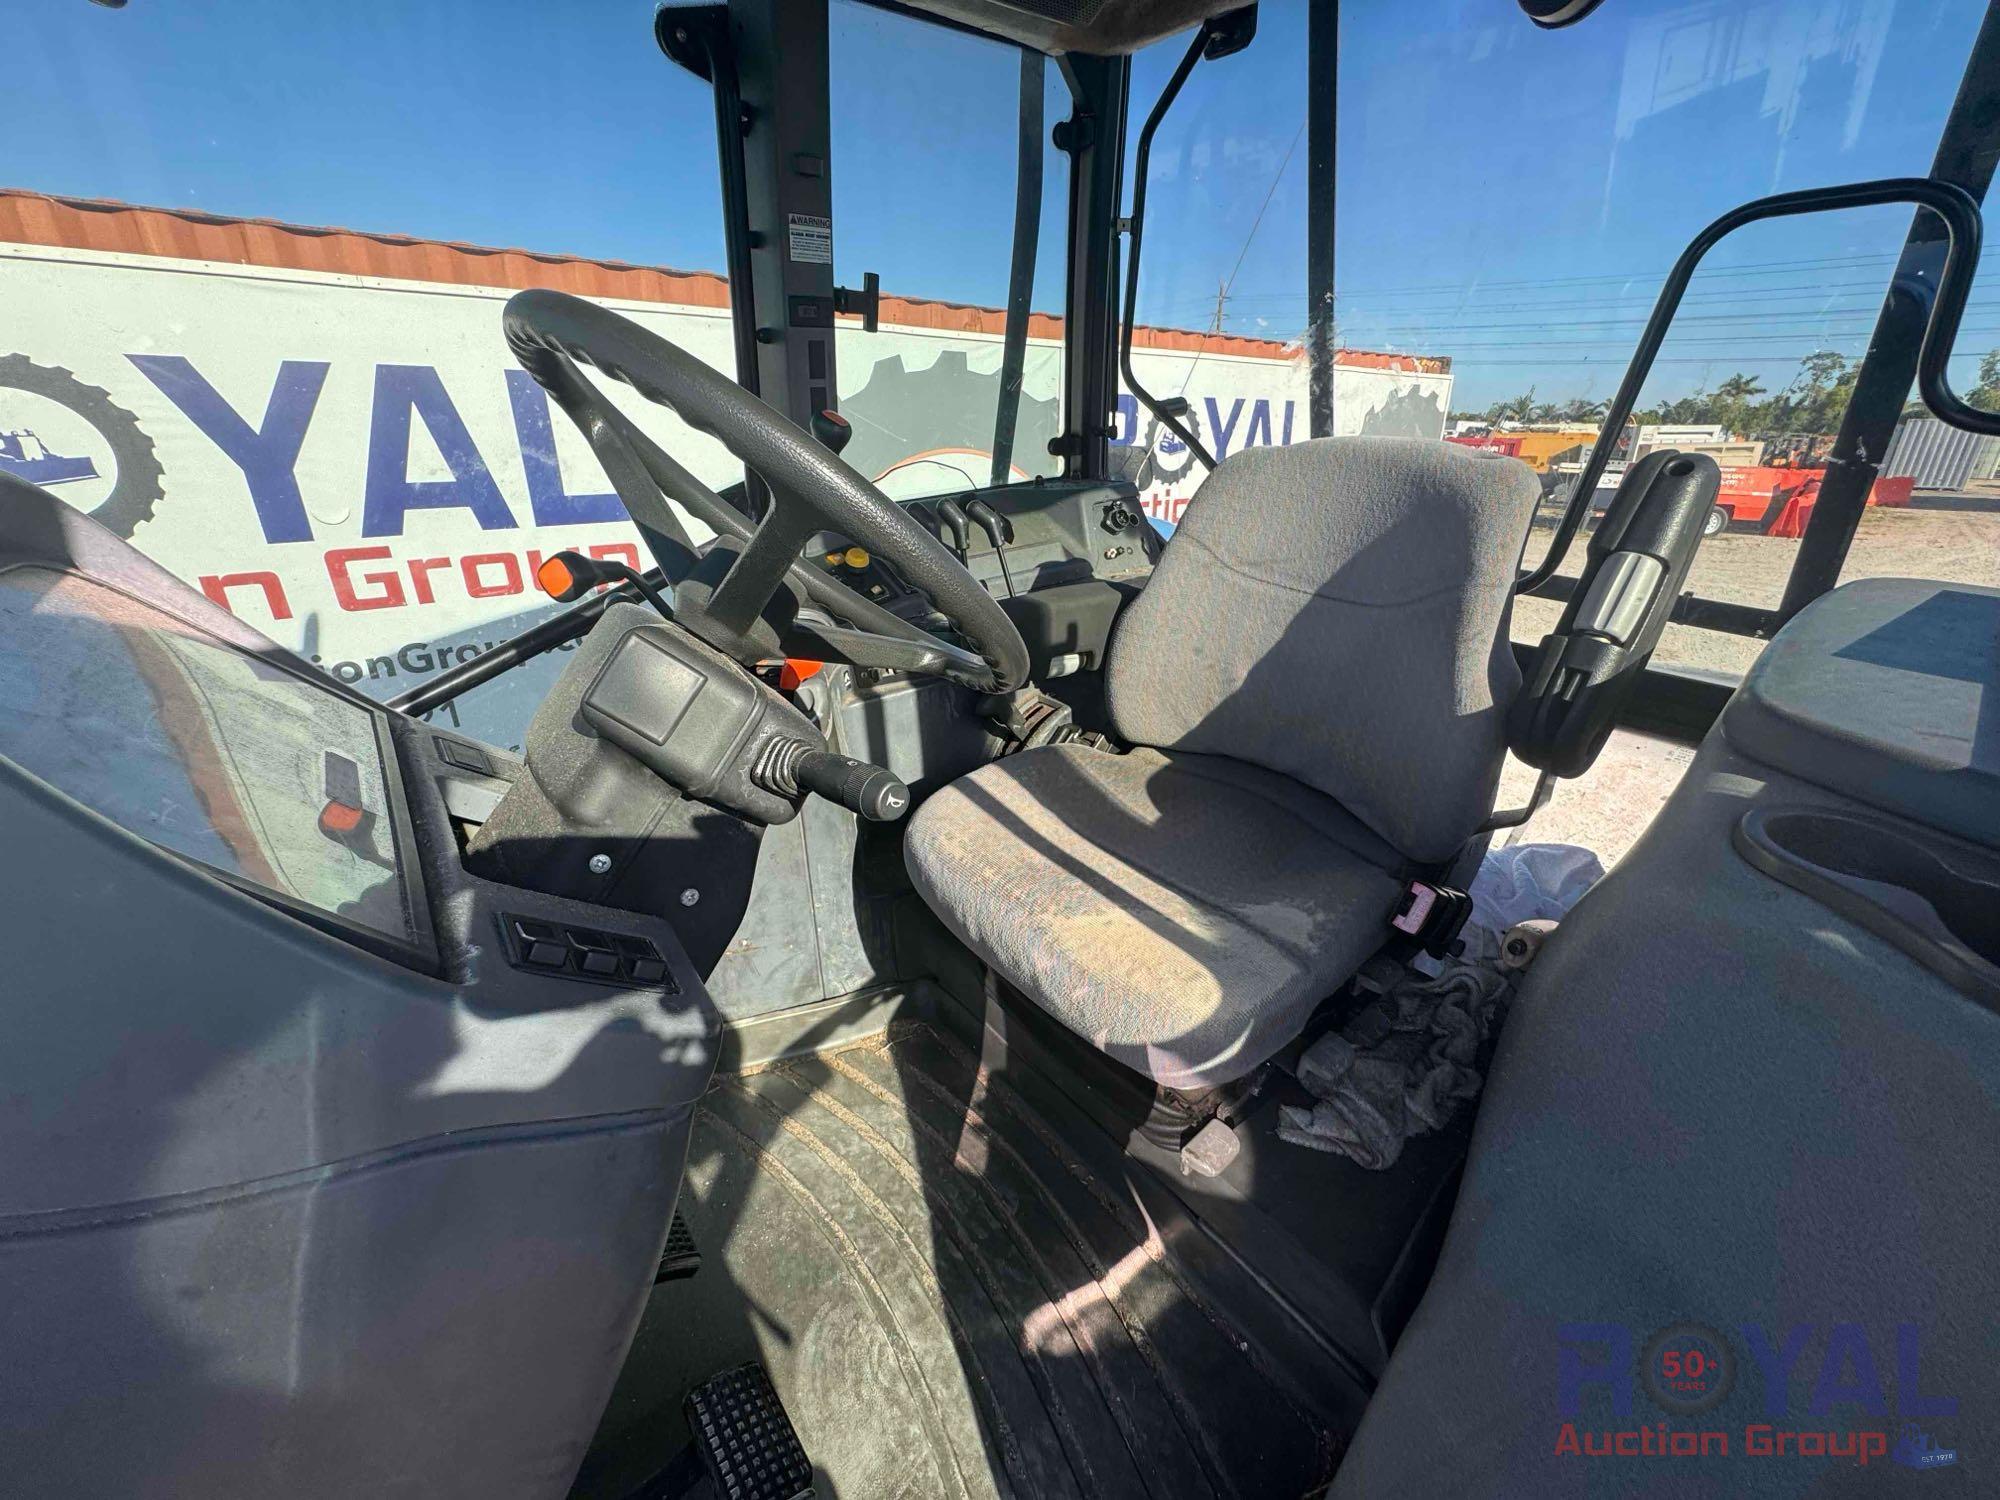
833	430
568	576
789	767
953	515
999	531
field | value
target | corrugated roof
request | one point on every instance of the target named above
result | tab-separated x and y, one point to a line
32	218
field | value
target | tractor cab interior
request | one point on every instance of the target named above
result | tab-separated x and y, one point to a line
857	1043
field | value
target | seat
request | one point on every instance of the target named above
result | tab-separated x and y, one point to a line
1719	1100
1315	682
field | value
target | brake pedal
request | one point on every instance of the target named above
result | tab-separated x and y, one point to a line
745	1440
681	1257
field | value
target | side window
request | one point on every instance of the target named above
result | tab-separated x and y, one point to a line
1221	307
1756	373
322	428
1937	510
930	183
1531	259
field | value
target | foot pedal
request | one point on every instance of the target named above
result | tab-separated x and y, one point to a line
745	1439
680	1259
1210	1150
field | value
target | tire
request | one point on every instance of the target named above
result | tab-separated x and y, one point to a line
1716	522
138	485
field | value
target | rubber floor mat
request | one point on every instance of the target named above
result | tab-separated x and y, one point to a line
952	1303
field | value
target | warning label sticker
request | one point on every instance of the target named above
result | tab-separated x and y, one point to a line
812	239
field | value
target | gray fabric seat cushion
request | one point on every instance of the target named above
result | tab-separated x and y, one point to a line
1337	611
1883	691
1714	1101
1185	913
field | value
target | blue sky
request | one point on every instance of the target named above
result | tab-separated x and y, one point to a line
1508	197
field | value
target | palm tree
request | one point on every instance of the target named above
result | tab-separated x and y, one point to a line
1516	409
1732	402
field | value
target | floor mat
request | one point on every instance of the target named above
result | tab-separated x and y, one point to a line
951	1303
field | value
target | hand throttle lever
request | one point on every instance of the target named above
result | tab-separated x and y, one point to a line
952	514
999	531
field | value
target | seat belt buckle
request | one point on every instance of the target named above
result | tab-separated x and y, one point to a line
1433	915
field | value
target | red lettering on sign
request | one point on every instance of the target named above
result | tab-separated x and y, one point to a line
218	585
421	569
510	574
341	558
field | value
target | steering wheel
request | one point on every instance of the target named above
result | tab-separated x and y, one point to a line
751	596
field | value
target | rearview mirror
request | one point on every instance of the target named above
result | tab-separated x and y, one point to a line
1550	14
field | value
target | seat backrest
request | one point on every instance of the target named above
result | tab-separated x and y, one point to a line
1337	611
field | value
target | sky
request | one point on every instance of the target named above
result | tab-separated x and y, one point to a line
1508	197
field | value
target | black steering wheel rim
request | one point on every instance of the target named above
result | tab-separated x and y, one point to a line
812	490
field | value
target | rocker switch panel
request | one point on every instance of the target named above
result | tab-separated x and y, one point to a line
586	953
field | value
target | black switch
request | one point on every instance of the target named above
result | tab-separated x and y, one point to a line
465	757
541	944
594	954
643	964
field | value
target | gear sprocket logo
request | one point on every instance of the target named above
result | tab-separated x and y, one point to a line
74	441
941	418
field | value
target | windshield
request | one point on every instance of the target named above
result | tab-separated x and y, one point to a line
252	265
948	186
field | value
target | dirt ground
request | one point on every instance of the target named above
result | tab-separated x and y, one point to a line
1606	809
1743	568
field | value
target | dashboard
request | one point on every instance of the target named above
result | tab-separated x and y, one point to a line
1065	532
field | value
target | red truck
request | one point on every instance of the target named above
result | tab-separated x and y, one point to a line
1779	500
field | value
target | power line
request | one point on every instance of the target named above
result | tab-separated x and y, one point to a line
1835	291
1746	268
1222	295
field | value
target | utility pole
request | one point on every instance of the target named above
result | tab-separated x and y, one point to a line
1221	296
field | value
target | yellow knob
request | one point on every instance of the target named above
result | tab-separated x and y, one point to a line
856	557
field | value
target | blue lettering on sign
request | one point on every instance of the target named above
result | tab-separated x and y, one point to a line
1776	1362
267	455
1265	429
1910	1397
391	494
1220	428
552	504
1577	1365
1127	431
1847	1374
1260	421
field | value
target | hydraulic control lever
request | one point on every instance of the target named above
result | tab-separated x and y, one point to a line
952	514
999	531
